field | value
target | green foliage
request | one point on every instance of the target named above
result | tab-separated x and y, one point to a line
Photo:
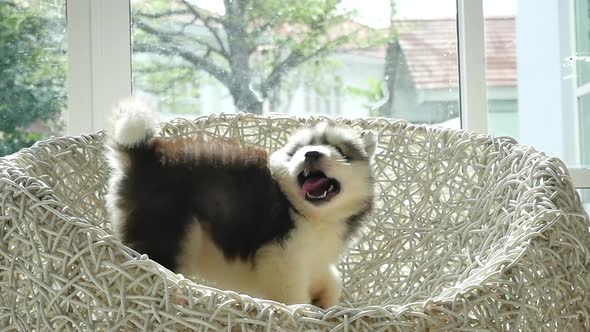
177	85
33	76
373	94
308	12
252	48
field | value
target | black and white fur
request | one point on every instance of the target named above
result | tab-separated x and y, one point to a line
226	212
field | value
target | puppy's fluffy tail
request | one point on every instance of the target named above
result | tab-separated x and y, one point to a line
135	123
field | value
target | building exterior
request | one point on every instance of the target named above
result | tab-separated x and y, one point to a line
427	89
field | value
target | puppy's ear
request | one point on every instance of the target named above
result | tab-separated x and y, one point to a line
325	124
369	138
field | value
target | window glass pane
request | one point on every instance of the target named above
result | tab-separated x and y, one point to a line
33	67
329	57
501	74
581	60
532	80
582	25
584	115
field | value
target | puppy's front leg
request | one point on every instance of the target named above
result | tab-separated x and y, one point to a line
327	289
282	280
290	290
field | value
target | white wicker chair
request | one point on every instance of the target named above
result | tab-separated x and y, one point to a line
470	233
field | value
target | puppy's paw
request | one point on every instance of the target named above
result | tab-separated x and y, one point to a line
325	298
327	292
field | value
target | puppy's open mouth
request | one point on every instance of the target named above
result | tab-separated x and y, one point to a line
317	187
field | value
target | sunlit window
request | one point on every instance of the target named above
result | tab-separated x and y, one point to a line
33	67
395	59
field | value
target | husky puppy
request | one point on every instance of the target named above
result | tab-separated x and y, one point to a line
272	228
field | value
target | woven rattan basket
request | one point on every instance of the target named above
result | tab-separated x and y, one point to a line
469	233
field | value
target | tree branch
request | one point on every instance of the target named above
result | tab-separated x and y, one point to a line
296	58
191	10
162	14
206	22
183	73
261	29
171	50
167	36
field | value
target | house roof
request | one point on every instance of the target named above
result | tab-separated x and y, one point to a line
430	50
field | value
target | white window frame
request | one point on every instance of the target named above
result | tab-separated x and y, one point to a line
99	62
99	66
580	175
472	66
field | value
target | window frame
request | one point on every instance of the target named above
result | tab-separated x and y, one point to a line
99	62
472	66
99	66
580	175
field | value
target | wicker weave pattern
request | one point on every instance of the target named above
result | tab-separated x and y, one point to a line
469	232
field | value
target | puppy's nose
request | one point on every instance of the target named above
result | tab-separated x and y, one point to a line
313	156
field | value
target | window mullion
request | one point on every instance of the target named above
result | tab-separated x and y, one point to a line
99	62
78	116
472	68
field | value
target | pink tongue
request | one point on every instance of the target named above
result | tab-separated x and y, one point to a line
316	186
